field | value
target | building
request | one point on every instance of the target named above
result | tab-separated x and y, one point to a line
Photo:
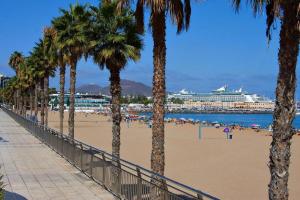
3	80
82	101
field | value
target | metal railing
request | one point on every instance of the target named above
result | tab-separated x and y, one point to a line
122	178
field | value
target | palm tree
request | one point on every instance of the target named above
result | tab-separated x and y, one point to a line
180	14
9	91
37	73
50	53
72	41
15	60
41	63
114	41
61	59
34	61
285	109
62	62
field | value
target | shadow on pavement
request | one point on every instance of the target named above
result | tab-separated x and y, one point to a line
13	196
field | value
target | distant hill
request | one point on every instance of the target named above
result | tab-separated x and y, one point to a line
128	88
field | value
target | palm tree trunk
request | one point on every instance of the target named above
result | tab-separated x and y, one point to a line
115	91
159	93
25	99
42	102
46	95
159	52
15	101
72	98
31	101
18	101
62	98
36	104
285	107
21	104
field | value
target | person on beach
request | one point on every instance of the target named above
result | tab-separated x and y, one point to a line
150	124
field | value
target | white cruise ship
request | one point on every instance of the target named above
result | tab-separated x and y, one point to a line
222	94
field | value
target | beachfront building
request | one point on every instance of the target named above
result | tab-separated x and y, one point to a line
223	99
83	102
3	80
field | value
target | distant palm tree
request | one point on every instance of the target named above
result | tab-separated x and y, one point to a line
180	14
37	74
8	91
72	41
288	11
41	62
114	41
15	60
31	72
36	62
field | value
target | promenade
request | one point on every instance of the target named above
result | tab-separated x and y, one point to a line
33	171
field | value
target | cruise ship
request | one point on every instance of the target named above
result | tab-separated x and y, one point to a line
222	94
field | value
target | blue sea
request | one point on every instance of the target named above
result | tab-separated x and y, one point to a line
264	120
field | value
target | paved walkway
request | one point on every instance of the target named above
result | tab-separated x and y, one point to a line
33	171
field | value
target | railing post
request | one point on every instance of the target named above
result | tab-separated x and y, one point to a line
104	169
91	163
62	145
139	184
199	196
81	152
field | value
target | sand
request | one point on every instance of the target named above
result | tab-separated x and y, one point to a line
228	169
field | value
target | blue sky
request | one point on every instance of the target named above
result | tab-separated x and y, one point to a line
221	47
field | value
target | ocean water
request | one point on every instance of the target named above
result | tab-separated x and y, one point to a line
264	120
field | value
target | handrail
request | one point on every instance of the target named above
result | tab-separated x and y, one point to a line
180	187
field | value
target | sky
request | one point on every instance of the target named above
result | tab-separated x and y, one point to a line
221	47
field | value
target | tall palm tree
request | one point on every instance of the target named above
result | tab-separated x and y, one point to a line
72	41
15	60
114	41
50	53
288	12
180	14
62	61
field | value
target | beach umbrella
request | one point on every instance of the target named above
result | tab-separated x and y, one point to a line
217	125
255	126
226	130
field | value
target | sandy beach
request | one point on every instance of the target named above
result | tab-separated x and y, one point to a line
228	169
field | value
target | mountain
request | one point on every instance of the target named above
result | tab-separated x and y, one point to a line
89	88
128	88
